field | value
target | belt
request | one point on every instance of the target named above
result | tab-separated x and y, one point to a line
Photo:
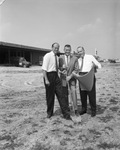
52	72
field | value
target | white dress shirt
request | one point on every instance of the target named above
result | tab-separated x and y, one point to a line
67	59
49	63
88	62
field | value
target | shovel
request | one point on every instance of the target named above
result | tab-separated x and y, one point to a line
70	98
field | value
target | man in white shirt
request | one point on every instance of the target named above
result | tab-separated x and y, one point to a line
52	82
86	62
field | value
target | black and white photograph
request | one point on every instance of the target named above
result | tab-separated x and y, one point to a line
59	74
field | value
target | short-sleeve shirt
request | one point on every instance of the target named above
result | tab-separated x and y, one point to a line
49	63
88	62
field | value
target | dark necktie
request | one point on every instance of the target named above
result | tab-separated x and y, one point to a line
56	64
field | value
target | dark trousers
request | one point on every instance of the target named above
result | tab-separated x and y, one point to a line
92	97
55	88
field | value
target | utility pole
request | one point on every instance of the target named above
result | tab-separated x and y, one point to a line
96	53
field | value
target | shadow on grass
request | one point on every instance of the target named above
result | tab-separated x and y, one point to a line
40	146
107	118
101	109
108	146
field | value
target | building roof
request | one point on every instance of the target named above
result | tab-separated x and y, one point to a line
23	46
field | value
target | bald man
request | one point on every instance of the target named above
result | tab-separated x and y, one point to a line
86	62
52	83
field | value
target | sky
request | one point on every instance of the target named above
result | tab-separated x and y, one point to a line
93	24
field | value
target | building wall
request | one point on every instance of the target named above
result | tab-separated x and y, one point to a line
37	57
8	53
4	56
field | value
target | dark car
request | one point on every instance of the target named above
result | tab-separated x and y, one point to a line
40	62
20	61
24	63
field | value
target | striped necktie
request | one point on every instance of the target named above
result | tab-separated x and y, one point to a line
67	61
80	70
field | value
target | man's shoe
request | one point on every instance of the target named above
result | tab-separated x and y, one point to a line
93	114
76	113
82	112
49	116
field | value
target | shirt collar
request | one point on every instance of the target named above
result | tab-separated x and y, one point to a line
81	57
52	53
67	56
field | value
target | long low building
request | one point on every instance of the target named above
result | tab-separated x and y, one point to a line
8	51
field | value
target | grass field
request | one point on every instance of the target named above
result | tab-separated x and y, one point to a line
23	122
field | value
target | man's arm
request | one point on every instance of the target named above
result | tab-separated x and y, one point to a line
60	63
45	68
76	67
45	77
62	67
96	63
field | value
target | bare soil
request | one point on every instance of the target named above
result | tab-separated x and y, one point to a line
23	122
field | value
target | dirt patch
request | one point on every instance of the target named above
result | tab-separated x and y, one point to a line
23	122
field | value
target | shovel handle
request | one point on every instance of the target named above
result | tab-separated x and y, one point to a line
70	96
